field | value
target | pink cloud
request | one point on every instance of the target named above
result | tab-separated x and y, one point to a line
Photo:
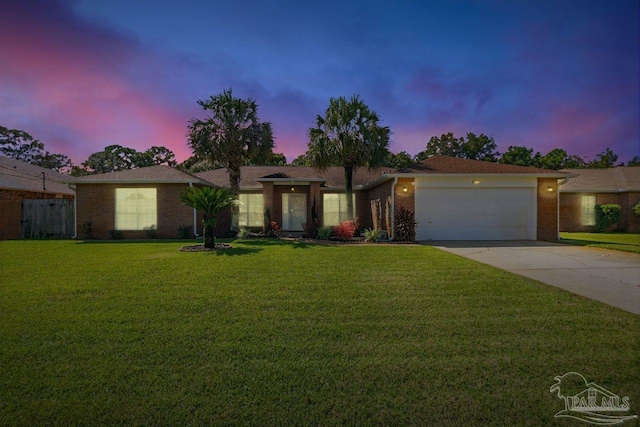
69	83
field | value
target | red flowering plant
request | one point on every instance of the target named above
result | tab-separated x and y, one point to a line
275	229
346	230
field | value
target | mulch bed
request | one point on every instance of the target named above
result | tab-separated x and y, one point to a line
201	248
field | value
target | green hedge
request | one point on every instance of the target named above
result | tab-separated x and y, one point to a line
606	216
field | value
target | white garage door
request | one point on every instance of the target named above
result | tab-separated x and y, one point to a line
475	213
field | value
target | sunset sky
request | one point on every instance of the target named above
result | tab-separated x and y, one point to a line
82	74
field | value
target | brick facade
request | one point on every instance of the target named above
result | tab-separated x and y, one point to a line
571	211
547	217
96	203
405	198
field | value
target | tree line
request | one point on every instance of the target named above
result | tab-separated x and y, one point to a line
348	134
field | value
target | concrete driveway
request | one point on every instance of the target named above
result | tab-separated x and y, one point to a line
611	277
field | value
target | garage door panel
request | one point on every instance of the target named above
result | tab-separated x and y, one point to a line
474	214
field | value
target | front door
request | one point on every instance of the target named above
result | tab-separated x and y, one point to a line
294	211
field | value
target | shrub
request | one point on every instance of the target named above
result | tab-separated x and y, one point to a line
346	230
606	216
324	233
266	222
311	228
152	233
372	235
636	209
243	233
185	232
272	229
404	225
116	234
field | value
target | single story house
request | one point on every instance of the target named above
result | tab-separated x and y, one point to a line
452	198
23	181
590	187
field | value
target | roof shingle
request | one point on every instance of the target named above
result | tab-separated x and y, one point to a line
614	180
455	165
159	173
252	175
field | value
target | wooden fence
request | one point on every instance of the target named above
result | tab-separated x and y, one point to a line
48	218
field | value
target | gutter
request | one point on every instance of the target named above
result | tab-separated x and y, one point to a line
195	218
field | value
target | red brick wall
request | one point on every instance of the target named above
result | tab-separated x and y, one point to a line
96	203
547	209
402	198
268	197
571	210
629	222
363	210
315	194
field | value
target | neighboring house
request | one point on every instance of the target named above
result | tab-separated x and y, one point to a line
590	187
23	181
453	199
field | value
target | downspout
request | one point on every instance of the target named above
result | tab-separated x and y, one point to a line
393	206
195	218
75	212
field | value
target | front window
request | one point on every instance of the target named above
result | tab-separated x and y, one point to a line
136	208
335	208
588	210
251	210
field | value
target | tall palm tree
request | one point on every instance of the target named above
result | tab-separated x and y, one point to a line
231	135
210	202
348	135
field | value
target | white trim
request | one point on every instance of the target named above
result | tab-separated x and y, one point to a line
195	219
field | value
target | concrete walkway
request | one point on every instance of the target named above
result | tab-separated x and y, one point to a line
611	277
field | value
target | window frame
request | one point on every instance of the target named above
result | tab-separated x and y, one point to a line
245	216
126	210
342	214
588	210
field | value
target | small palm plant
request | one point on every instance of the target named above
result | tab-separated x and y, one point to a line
209	202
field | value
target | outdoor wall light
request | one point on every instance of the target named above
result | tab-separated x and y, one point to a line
293	188
404	188
476	181
550	189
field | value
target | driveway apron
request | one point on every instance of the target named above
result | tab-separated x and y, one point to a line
611	277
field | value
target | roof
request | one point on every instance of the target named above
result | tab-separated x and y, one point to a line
455	165
150	174
17	175
253	176
615	180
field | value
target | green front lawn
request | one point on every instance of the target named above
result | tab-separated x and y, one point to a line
627	242
274	333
